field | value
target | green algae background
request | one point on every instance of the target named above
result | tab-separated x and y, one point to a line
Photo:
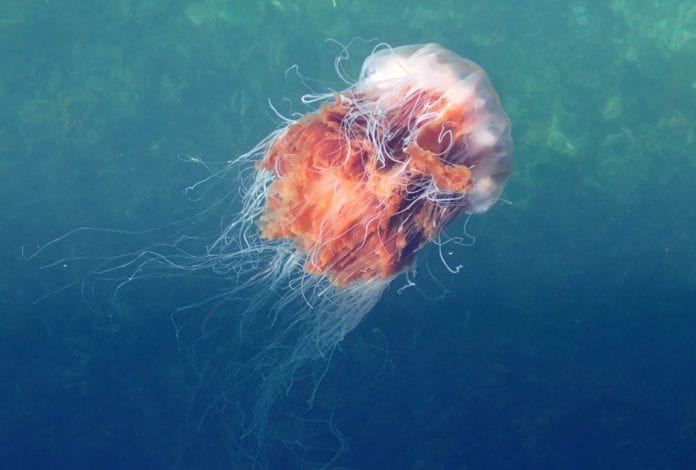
568	339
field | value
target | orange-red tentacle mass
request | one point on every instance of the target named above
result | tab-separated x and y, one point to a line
356	217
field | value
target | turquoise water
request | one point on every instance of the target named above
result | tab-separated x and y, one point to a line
566	341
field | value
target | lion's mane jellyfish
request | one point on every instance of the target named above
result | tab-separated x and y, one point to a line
343	199
334	205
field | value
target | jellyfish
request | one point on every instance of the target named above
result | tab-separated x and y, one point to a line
344	198
332	207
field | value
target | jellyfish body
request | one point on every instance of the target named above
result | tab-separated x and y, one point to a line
343	199
361	185
334	206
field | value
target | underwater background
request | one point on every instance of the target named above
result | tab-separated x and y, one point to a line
568	339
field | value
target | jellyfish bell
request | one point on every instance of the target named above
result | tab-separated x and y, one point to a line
483	136
329	209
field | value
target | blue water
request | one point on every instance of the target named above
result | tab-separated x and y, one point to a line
568	339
